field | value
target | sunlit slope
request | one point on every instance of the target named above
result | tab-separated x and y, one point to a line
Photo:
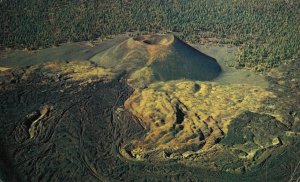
158	58
128	55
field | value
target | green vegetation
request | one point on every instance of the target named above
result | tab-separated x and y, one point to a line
266	31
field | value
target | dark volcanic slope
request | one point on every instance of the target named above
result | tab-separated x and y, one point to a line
186	62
